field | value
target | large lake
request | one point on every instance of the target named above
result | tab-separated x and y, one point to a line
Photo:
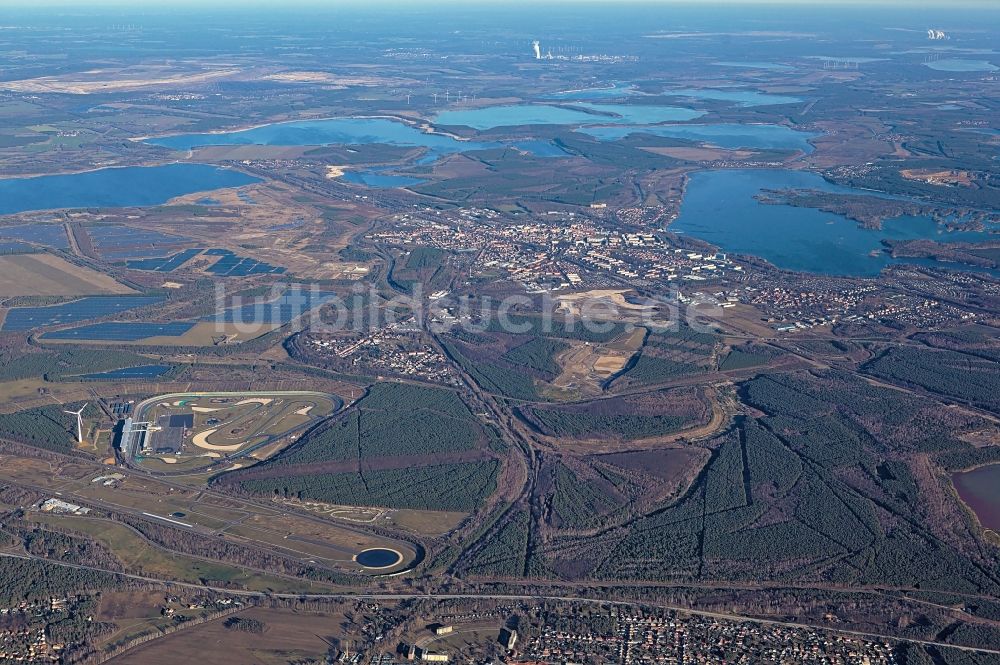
115	187
980	490
513	115
719	207
331	131
962	65
723	135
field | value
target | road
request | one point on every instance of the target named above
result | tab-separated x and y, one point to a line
722	616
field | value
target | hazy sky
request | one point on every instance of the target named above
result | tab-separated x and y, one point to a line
162	4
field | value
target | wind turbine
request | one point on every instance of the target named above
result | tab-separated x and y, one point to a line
79	422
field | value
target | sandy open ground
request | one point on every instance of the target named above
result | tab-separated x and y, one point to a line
50	275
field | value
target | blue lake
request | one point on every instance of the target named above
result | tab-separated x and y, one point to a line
354	131
719	207
723	135
374	178
331	131
514	115
736	96
115	187
961	65
140	372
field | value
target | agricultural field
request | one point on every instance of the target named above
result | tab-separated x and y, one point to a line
50	275
284	636
215	429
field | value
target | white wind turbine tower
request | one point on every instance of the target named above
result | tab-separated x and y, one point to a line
79	422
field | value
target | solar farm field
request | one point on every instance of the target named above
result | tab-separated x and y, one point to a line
200	430
49	275
16	247
115	242
164	263
222	262
234	324
30	318
231	265
120	331
49	235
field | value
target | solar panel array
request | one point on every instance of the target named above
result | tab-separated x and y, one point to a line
164	263
231	265
279	311
122	331
228	264
15	247
121	409
114	241
95	307
50	235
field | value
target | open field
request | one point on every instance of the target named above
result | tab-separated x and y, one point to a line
700	154
944	178
424	522
50	275
586	366
106	81
288	636
276	527
142	557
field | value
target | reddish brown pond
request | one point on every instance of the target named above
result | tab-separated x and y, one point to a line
980	490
